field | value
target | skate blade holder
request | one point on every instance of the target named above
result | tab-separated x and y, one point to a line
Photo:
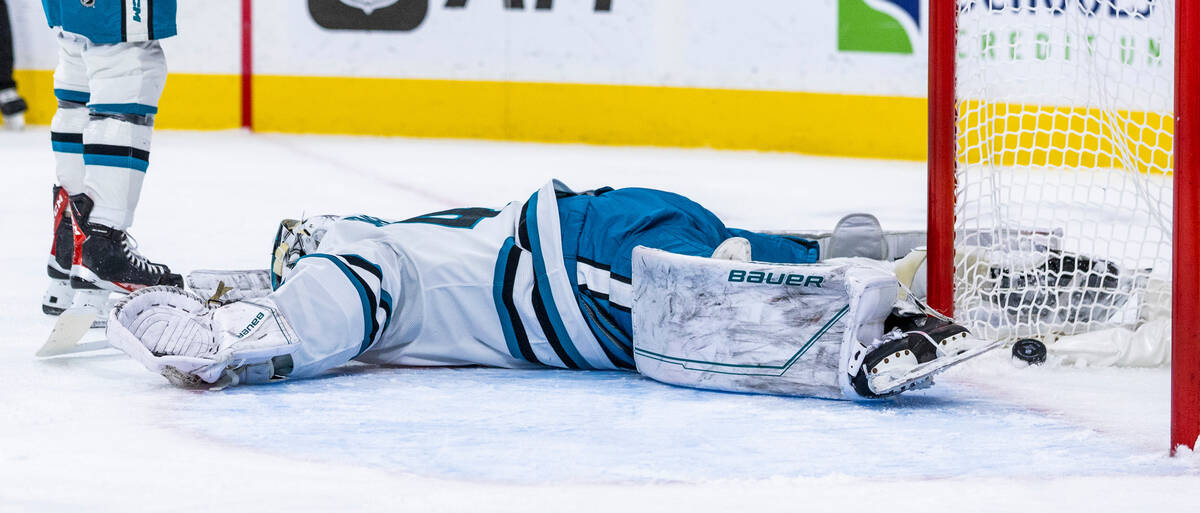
894	364
886	383
87	310
953	345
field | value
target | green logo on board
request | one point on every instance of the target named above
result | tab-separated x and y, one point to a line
879	26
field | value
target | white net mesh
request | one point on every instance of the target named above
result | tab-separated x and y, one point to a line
1064	150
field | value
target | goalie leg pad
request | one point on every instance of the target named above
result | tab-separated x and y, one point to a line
789	329
223	287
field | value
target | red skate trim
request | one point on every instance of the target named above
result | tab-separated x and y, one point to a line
129	287
115	286
61	202
79	237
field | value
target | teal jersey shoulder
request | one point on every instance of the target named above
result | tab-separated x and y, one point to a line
113	21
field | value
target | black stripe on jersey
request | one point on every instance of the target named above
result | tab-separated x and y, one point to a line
66	137
523	229
597	265
116	151
590	315
386	302
606	327
124	14
149	19
589	297
372	302
598	295
358	262
539	308
363	264
622	279
510	274
606	297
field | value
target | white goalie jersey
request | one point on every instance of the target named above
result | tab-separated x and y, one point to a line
471	286
426	285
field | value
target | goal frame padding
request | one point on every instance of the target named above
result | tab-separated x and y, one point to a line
1185	325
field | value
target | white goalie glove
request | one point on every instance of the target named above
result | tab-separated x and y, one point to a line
175	333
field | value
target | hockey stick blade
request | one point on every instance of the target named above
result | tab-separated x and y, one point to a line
886	384
70	328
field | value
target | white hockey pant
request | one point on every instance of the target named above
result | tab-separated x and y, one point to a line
108	95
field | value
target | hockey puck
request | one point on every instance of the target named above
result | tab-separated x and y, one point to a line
1030	351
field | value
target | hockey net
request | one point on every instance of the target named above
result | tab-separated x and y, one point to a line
1063	175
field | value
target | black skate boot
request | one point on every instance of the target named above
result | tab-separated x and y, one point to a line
941	335
914	347
59	294
897	351
107	260
12	109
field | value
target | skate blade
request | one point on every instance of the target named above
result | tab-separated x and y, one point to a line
884	384
70	328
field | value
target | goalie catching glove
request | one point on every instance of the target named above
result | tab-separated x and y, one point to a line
175	333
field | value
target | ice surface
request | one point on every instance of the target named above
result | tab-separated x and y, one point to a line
98	433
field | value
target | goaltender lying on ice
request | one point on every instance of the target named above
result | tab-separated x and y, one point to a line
633	279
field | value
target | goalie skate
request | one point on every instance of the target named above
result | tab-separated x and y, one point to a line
916	348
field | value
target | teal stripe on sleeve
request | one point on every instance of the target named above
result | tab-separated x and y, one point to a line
368	316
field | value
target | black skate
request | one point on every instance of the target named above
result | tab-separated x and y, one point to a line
103	261
914	347
108	260
12	109
59	294
935	333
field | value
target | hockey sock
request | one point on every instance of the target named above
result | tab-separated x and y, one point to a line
116	153
66	138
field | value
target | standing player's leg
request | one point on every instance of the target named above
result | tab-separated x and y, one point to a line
12	106
66	139
126	81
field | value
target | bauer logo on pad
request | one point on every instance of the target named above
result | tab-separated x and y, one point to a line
253	324
879	26
387	15
773	278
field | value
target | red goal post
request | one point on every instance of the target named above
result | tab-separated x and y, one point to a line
944	119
